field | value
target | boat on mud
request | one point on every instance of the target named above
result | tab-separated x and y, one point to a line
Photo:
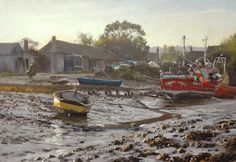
58	80
72	101
225	91
99	82
200	82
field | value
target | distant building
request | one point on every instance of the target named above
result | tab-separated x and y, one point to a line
11	57
193	55
213	50
65	56
154	54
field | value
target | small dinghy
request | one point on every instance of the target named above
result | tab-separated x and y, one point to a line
71	101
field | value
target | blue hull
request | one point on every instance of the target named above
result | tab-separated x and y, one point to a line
101	82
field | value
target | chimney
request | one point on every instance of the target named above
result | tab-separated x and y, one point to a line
53	38
26	44
158	55
191	49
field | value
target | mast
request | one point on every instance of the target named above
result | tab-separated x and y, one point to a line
205	39
184	37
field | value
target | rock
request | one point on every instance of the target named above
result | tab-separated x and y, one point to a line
185	145
231	144
51	156
187	157
37	158
121	159
164	157
77	160
163	127
47	150
145	153
224	125
143	135
127	147
133	159
118	142
223	157
181	150
180	130
197	135
116	148
227	131
176	159
96	156
44	160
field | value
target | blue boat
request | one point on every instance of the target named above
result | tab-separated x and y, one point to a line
100	82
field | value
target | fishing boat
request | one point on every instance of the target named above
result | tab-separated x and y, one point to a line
71	101
225	91
199	83
100	82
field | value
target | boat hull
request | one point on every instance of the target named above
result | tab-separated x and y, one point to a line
178	94
225	91
69	105
185	87
100	82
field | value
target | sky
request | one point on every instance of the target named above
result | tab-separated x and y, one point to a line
164	21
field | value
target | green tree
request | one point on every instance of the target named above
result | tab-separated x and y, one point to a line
125	39
169	54
86	39
229	49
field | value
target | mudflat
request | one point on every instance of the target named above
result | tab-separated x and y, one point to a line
138	128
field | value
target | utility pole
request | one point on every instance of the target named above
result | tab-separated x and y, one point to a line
205	46
184	37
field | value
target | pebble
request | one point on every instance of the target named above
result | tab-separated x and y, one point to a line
127	147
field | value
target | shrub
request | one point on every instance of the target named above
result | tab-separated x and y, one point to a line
129	74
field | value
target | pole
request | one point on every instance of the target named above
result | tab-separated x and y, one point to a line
205	45
184	37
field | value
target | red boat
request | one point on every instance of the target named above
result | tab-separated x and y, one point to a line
225	91
199	83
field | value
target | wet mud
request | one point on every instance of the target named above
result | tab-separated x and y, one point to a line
117	129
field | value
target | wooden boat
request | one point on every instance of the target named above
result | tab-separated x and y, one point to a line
225	91
58	80
100	82
200	83
71	101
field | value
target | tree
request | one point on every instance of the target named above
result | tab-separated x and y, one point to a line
229	50
125	39
86	39
169	54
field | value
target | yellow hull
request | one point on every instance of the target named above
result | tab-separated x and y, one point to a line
70	108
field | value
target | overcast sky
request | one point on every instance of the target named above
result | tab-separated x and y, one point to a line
164	21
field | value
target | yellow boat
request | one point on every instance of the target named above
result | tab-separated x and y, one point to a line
71	101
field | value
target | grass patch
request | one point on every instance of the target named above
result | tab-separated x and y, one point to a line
5	74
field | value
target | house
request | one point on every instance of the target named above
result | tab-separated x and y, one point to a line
193	55
11	57
65	56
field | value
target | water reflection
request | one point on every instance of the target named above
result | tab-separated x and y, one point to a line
71	118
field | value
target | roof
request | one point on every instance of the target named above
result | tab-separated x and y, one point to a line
66	48
194	55
9	48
